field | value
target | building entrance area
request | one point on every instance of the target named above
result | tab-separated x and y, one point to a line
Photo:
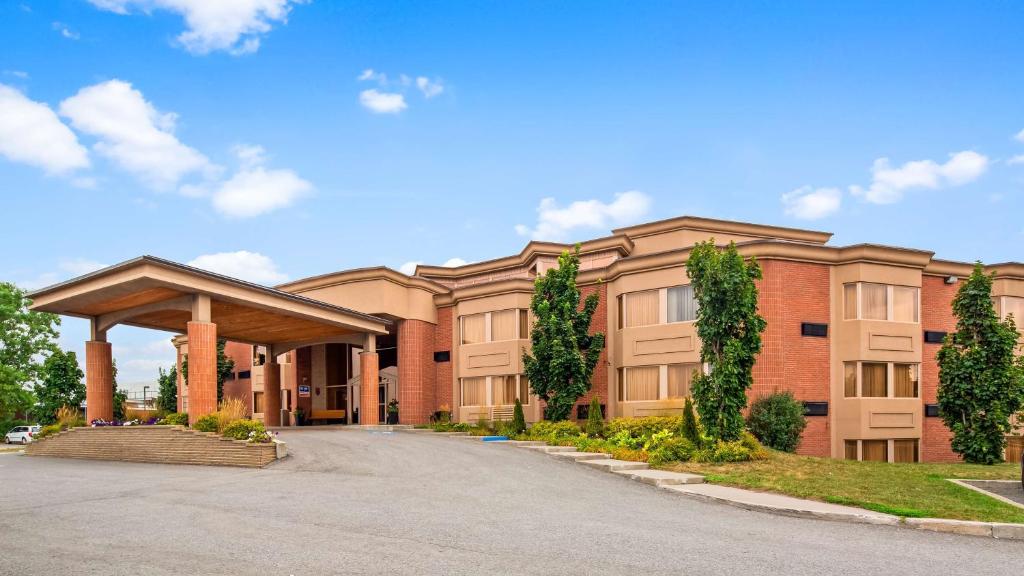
340	400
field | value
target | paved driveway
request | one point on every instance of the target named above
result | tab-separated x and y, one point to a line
354	502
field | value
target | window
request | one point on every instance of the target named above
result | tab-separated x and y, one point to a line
904	380
1013	305
618	304
874	301
850	447
503	390
875	450
850	387
871	301
642	383
257	402
473	329
524	324
642	308
682	306
474	392
503	325
524	390
680	378
850	301
904	450
874	380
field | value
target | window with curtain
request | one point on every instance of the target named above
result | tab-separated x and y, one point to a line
473	329
904	380
620	383
873	376
503	390
524	325
682	305
1013	305
503	325
642	308
524	389
619	308
642	383
474	392
680	378
850	379
904	450
850	449
874	301
850	301
875	450
904	304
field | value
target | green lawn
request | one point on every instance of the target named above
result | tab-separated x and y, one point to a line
914	490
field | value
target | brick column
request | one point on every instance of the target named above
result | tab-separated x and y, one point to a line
368	385
99	381
416	389
202	369
272	392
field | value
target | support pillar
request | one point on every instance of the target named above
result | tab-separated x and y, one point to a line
271	391
369	382
202	369
99	381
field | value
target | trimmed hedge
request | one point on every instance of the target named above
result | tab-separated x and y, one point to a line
206	423
175	419
777	420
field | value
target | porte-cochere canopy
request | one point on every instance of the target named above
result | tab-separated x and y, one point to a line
151	292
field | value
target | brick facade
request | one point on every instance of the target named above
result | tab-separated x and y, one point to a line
202	369
99	381
936	315
599	323
238	387
443	376
417	389
790	294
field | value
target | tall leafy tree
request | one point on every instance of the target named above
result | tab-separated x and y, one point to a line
26	338
167	398
729	328
564	352
225	367
60	385
981	382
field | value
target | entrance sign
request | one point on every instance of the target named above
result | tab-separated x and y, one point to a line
303	390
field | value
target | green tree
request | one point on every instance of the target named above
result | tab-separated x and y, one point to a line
167	397
981	382
120	396
730	329
225	367
691	430
777	420
518	418
61	385
564	353
26	338
595	419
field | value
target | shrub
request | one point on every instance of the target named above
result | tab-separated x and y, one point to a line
548	430
643	427
595	420
250	430
742	450
175	419
674	449
777	421
47	431
231	409
691	429
69	417
206	423
518	419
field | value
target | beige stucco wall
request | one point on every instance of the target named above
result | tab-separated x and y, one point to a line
675	239
379	296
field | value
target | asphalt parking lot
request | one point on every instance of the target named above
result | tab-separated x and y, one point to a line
356	502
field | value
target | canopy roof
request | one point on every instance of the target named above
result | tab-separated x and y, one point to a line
155	293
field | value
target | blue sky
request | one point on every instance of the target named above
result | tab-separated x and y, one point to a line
290	139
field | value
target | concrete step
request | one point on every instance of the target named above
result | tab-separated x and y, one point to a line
578	456
550	449
612	465
526	443
661	477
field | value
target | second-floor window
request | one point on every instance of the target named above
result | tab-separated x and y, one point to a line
880	380
495	326
871	301
1012	305
660	306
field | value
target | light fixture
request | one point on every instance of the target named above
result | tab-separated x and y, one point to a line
951	279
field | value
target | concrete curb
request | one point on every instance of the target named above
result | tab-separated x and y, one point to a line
639	472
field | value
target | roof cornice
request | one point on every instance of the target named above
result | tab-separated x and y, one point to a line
361	275
728	226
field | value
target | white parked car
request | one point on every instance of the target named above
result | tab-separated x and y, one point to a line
21	434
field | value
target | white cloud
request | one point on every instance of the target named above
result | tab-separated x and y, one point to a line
17	74
31	133
80	266
889	184
554	223
67	268
244	265
254	189
1020	136
808	203
428	87
65	31
409	268
235	26
132	133
382	102
1018	159
370	74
